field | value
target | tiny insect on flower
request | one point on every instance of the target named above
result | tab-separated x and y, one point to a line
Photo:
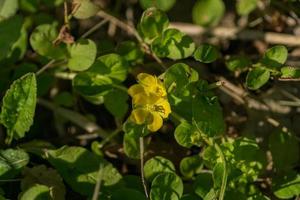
150	104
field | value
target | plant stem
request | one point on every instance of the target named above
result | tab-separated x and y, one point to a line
94	28
110	136
45	67
98	184
142	166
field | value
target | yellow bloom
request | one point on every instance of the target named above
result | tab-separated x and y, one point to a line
150	105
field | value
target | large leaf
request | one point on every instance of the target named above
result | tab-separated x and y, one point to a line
10	31
40	174
208	12
19	106
82	54
156	166
42	39
8	8
153	22
37	192
11	162
275	57
166	186
127	194
190	166
187	135
173	44
203	184
287	185
80	168
116	102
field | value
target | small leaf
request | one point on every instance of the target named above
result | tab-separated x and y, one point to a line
237	63
189	197
186	135
282	144
153	22
203	184
80	168
11	162
82	55
173	44
218	174
190	166
257	77
13	26
19	106
157	165
131	52
46	176
166	186
206	53
163	5
127	194
287	185
84	9
8	8
36	192
116	102
290	72
245	7
275	57
208	12
42	39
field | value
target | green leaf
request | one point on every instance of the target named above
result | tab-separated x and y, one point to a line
257	77
36	192
290	72
80	168
190	166
287	185
166	186
131	52
163	5
116	102
10	32
189	197
218	174
12	162
36	147
31	6
157	165
275	57
203	184
19	106
282	144
64	99
86	9
82	54
237	63
153	22
208	115
245	7
42	39
128	194
208	12
173	44
40	174
8	8
133	182
187	135
206	53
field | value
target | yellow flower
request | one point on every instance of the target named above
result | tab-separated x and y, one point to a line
150	105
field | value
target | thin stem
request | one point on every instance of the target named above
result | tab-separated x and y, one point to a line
110	137
98	184
120	87
142	166
45	67
224	178
94	28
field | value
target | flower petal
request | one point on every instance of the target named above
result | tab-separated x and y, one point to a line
139	116
162	106
156	122
147	80
135	89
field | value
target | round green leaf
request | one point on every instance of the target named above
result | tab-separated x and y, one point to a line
37	192
131	52
85	9
153	22
18	107
275	57
208	12
82	54
290	72
166	186
287	185
189	197
11	162
116	102
206	53
186	135
173	44
42	39
244	7
156	166
190	166
8	8
164	5
203	184
257	77
237	63
128	194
